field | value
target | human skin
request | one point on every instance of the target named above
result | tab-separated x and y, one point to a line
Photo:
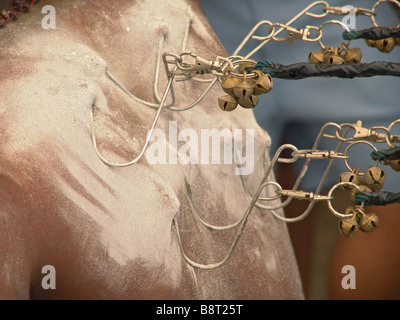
109	232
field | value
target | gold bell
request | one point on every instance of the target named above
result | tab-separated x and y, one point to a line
397	41
244	89
348	227
374	178
368	222
229	83
352	55
395	164
263	83
385	45
227	103
353	177
370	43
333	56
249	102
316	56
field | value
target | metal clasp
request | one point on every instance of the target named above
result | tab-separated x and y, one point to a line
362	133
200	65
319	154
349	10
298	34
302	195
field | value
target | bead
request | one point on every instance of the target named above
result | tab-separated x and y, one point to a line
227	103
374	178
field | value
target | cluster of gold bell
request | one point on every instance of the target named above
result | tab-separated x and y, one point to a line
360	220
371	181
384	45
343	55
244	91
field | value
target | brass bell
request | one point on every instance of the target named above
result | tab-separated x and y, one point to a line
368	222
244	89
352	55
395	164
385	45
263	84
353	177
227	103
348	227
397	41
370	43
333	56
249	102
374	178
354	191
316	56
229	83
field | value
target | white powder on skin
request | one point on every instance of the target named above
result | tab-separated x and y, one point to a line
128	212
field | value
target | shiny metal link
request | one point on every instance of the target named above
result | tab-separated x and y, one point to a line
345	10
369	134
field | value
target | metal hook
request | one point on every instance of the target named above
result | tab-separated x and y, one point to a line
141	101
345	10
251	35
276	158
268	38
301	175
344	26
202	95
298	34
267	172
361	133
148	137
